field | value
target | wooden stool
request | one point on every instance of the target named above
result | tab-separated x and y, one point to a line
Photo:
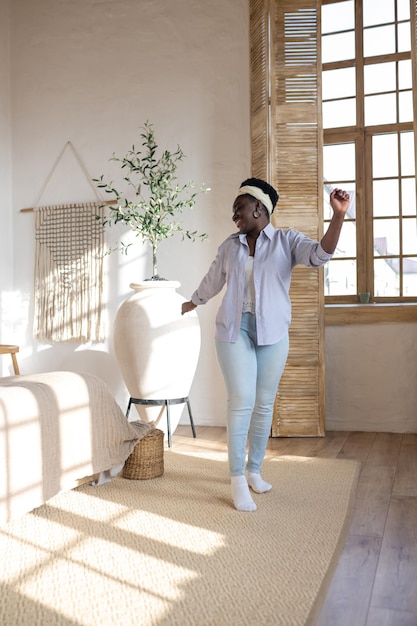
6	349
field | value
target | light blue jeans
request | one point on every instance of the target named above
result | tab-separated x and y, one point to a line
251	374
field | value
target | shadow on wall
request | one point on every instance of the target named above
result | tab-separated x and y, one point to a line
69	357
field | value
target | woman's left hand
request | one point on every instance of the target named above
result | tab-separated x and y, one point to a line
339	201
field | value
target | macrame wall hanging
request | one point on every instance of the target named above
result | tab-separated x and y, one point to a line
69	252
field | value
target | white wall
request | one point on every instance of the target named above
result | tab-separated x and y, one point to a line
6	238
92	71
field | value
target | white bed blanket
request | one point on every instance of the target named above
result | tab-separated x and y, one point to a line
57	428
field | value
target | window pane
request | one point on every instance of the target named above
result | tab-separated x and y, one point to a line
405	104
408	200
339	162
350	187
337	16
386	198
404	74
340	278
410	277
380	109
378	12
386	237
410	236
403	9
407	154
339	83
346	246
384	155
404	37
339	113
338	47
379	40
386	278
380	77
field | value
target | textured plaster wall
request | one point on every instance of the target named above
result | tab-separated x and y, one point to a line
6	239
91	72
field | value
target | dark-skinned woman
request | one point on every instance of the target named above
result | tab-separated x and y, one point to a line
252	322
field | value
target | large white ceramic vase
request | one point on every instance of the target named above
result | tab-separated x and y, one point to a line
157	348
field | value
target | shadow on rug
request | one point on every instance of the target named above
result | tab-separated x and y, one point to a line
173	550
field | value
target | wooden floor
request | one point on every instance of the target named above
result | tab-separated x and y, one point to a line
375	583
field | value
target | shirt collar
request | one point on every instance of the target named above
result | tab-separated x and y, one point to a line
268	231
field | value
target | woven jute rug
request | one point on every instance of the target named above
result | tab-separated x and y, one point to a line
173	550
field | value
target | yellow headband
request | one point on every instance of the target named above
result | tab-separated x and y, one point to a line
258	194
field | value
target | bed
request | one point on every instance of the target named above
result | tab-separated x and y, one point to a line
57	430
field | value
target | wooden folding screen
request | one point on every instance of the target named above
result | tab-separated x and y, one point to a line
286	148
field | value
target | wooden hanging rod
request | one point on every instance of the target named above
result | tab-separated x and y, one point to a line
31	209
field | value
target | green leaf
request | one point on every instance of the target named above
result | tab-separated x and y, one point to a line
152	180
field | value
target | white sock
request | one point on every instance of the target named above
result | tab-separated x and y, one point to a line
257	483
241	495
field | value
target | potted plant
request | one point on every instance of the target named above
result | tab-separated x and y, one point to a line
157	195
156	347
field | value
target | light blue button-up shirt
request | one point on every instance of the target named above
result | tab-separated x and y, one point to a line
277	252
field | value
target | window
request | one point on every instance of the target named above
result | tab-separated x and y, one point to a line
368	148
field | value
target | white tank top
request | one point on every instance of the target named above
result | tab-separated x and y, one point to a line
249	296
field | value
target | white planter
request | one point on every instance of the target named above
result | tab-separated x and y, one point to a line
157	348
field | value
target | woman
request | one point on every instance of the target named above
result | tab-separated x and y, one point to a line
253	319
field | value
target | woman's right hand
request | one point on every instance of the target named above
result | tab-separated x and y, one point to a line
186	307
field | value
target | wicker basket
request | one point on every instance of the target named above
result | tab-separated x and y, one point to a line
147	458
